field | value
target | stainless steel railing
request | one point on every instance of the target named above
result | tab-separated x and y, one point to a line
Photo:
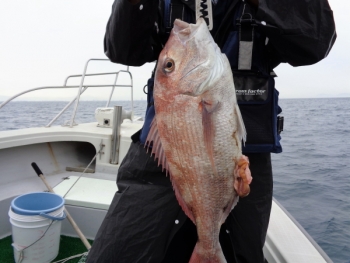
81	89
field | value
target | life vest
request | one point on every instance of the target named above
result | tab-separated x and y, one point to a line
245	47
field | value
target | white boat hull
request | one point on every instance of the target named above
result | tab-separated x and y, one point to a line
59	151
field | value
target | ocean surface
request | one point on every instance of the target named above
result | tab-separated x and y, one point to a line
311	176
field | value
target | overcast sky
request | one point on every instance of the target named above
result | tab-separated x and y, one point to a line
44	41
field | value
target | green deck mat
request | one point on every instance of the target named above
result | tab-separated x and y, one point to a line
69	246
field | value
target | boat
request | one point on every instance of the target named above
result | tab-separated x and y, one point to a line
80	162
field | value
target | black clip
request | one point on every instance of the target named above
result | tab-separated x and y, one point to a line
246	19
144	89
246	25
280	123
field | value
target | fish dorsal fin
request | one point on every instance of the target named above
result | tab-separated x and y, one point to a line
154	144
242	134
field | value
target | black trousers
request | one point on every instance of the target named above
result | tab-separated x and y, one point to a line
146	224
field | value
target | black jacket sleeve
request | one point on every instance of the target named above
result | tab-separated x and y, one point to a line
129	32
300	32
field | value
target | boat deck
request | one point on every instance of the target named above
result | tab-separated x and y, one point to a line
87	192
69	246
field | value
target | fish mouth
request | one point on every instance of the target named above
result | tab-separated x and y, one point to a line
180	25
184	30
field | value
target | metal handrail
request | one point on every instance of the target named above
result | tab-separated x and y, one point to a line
112	91
91	74
64	109
85	88
30	90
81	90
81	86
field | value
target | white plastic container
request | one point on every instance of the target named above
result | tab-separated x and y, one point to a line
36	238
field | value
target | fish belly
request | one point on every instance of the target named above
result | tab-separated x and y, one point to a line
203	178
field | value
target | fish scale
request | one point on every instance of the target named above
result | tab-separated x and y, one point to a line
197	133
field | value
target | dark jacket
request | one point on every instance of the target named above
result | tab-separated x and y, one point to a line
144	219
145	224
299	32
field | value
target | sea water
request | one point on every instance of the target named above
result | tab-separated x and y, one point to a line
311	176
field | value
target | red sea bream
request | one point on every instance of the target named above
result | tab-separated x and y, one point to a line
197	133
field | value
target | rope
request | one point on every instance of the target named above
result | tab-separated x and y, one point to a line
82	260
83	255
87	167
20	256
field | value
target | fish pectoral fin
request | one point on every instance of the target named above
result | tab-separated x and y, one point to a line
154	144
210	105
243	177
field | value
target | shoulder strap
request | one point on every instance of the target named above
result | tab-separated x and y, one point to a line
173	9
225	25
167	15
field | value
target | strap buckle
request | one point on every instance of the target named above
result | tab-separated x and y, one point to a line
280	122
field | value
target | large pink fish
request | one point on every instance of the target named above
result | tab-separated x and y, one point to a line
198	131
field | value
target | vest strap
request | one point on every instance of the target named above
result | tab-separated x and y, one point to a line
173	9
246	25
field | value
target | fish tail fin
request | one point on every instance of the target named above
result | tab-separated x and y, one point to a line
200	255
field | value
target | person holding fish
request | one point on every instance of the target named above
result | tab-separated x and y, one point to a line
196	184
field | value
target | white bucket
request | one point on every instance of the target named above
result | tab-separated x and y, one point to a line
36	238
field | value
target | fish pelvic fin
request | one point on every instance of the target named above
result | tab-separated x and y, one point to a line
200	255
241	131
154	144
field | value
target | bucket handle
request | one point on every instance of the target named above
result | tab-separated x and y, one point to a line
54	217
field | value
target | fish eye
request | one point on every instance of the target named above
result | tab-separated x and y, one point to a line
169	65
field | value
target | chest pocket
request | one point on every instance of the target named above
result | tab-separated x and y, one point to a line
255	87
258	101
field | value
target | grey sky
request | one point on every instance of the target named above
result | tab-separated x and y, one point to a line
43	41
